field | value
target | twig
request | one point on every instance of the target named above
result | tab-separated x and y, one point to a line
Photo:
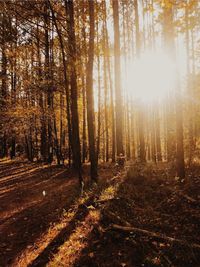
154	234
111	214
187	197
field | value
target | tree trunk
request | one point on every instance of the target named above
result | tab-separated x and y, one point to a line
99	101
170	42
66	82
49	87
153	135
189	89
3	97
111	88
157	132
76	149
117	70
105	94
89	94
142	153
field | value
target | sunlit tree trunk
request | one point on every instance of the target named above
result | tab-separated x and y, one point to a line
153	135
128	144
141	118
117	69
84	48
189	85
99	97
133	156
170	38
66	82
89	94
194	89
169	110
126	42
157	132
110	86
105	95
179	139
84	146
142	153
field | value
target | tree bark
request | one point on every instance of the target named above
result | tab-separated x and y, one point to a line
142	153
89	94
111	88
170	39
76	149
117	70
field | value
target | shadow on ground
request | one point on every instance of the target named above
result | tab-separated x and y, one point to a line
32	197
147	201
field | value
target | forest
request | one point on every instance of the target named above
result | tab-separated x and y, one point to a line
99	133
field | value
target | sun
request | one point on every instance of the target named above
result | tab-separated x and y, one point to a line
151	77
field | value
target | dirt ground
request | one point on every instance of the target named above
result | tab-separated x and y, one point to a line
139	216
32	198
153	220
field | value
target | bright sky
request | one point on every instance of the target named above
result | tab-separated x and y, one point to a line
152	75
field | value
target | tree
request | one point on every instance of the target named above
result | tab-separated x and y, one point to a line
89	95
168	20
76	149
117	69
141	118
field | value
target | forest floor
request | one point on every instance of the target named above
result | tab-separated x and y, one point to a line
138	216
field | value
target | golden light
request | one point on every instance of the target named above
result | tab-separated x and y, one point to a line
150	77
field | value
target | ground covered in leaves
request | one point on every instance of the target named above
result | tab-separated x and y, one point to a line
152	220
138	216
33	199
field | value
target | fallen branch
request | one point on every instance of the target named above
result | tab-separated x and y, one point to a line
136	208
181	193
177	192
155	235
190	199
112	216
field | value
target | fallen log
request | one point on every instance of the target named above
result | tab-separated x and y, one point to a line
155	235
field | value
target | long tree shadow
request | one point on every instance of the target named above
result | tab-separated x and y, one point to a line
52	248
28	188
12	165
110	249
30	180
24	228
21	175
15	171
63	236
28	213
31	205
135	204
31	195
